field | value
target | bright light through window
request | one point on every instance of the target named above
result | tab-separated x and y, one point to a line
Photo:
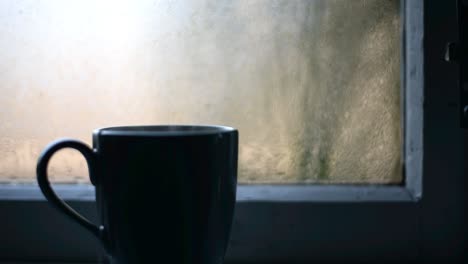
313	86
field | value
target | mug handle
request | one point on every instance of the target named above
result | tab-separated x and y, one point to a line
49	193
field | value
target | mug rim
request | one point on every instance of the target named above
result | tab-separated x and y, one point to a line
163	130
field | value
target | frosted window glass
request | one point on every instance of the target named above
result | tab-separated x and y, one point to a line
312	86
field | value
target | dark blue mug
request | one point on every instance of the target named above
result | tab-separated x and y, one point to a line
163	193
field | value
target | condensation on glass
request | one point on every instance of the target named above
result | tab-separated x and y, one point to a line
312	86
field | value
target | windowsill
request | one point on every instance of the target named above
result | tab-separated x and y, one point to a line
245	193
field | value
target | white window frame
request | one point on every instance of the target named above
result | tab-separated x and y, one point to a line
420	219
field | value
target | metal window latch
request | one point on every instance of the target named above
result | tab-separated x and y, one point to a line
458	52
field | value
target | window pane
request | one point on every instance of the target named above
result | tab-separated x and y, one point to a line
312	86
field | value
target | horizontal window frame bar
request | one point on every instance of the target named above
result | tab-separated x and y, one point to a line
245	193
